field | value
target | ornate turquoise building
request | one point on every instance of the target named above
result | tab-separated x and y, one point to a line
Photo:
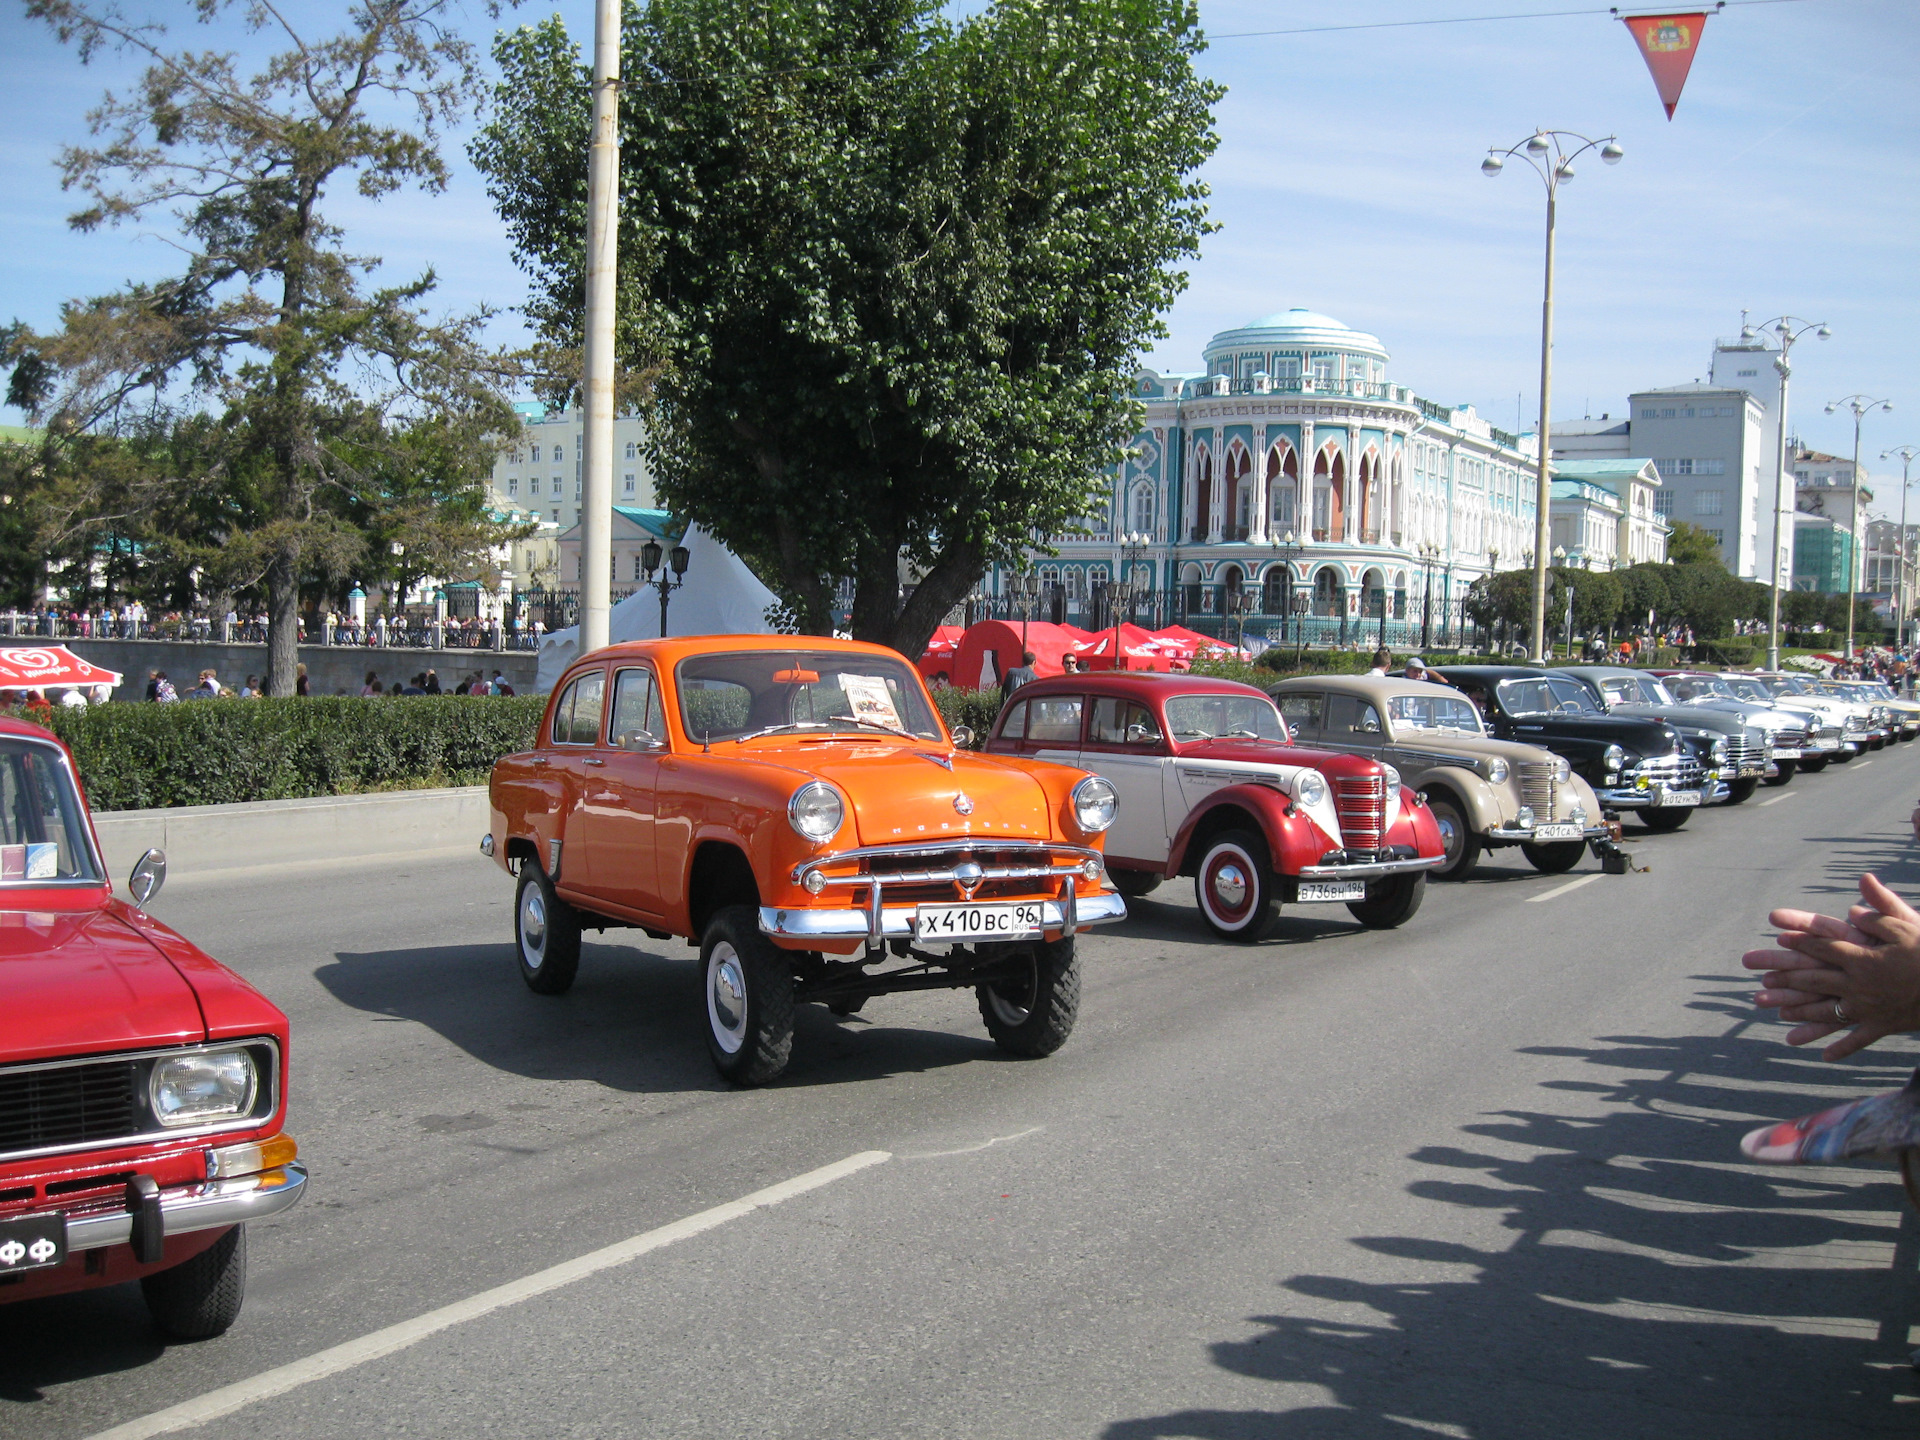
1293	488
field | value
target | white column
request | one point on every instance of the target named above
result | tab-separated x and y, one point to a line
1216	496
1257	530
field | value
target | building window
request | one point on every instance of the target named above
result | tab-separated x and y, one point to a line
627	485
1646	414
1663	504
1746	372
556	514
632	450
1142	517
533	484
1708	502
576	487
639	570
534	454
1667	414
559	454
1286	367
1323	367
513	486
1716	536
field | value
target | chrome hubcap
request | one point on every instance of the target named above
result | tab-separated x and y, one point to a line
1005	1009
533	926
1230	885
727	997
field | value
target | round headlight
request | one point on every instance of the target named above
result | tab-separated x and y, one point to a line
1616	757
1720	748
1498	770
1095	803
1310	787
1393	781
1562	771
815	810
203	1087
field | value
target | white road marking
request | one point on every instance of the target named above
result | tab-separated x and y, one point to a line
1560	890
381	1343
1783	795
976	1149
1861	764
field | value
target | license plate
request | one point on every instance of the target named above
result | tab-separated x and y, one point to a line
977	922
1334	890
1785	752
1556	832
32	1242
1679	797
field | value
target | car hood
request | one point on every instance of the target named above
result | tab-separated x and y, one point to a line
902	793
80	980
1450	747
1645	737
1682	716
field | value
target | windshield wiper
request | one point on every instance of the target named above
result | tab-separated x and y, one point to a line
776	729
862	720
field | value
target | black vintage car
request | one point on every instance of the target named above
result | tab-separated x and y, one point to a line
1640	765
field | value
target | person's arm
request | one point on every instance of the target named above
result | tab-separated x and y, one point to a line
1862	972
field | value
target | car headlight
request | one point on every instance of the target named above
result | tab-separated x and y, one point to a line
1562	771
1616	757
1720	749
201	1087
1393	781
1498	770
816	810
1310	787
1095	803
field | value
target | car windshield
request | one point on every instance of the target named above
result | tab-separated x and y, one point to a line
1750	690
1434	712
1634	690
737	694
42	822
1221	717
1546	695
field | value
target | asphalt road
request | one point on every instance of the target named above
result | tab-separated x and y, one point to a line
1478	1177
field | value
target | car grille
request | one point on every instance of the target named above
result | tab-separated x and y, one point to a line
68	1105
1361	807
1676	772
925	874
1789	740
1536	786
1743	754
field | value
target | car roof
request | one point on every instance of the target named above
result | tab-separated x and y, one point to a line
1603	671
1495	672
11	726
1141	685
676	648
1383	687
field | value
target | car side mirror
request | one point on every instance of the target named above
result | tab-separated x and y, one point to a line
639	740
963	736
149	874
1142	735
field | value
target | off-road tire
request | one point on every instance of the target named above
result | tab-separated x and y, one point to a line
1556	858
1783	772
746	998
1391	902
1813	765
200	1298
1033	1016
1236	861
1463	846
1667	818
548	963
1134	884
1741	791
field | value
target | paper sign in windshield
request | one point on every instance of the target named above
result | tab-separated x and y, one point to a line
867	699
29	862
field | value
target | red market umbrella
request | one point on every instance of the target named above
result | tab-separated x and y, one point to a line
42	667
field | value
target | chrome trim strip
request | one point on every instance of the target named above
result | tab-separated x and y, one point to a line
947	877
896	922
944	847
213	1205
183	1132
1379	867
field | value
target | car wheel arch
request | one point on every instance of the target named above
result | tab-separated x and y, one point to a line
1241	807
1471	795
719	875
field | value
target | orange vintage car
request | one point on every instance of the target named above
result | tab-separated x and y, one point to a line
796	808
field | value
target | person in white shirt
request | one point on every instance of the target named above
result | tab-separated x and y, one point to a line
1382	662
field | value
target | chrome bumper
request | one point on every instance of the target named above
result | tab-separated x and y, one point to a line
1655	798
1783	752
1376	867
213	1205
896	921
1591	832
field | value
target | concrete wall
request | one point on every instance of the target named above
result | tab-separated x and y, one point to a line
330	668
205	839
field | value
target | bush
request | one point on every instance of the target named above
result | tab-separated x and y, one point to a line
215	752
976	709
1730	653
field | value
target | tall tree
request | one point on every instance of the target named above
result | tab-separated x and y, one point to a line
892	271
270	321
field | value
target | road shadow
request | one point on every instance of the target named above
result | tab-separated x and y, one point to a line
38	1349
1653	1284
1894	858
634	1020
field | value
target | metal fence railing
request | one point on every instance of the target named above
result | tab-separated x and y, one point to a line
449	634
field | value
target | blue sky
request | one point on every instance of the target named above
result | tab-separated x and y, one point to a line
1347	180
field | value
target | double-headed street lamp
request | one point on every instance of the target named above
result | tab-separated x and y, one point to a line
1025	589
1902	597
1551	153
1861	406
1785	329
650	556
1428	553
1122	593
1289	549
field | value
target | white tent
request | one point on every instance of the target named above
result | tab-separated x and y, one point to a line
721	597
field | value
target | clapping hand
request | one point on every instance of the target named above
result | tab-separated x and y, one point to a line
1861	974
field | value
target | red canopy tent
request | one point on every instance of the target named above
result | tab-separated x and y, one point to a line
941	651
999	642
1140	650
49	667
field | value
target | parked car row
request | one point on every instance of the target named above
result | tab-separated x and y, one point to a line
795	809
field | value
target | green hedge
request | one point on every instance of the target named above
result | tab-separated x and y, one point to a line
976	709
214	752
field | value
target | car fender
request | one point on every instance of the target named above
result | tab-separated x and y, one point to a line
1471	790
1416	827
1293	840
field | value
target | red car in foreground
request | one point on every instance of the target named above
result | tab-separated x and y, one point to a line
142	1083
1211	785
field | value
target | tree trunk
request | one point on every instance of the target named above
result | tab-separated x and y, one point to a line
907	628
283	624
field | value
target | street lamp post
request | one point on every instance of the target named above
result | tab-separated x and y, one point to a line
1132	546
1786	329
1548	152
1861	406
1429	552
1901	593
1288	549
650	556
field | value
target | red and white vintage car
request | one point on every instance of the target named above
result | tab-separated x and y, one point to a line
1211	785
142	1083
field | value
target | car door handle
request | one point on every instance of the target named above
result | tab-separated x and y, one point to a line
591	761
539	759
604	796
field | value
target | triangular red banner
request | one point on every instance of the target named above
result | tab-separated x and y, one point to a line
1669	43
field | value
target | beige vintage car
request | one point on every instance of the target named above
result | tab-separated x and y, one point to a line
1484	793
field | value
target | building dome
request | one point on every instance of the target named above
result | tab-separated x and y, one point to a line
1291	341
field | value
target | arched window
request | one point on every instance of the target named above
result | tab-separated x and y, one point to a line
633	451
1326	592
1370	497
1277	584
1140	518
1329	501
1202	493
1190	588
1237	513
1283	490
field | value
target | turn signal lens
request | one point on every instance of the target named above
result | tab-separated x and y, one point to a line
814	881
231	1160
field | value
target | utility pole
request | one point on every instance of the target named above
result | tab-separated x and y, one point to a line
1786	329
1861	406
603	239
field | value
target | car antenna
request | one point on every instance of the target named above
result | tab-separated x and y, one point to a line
706	741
